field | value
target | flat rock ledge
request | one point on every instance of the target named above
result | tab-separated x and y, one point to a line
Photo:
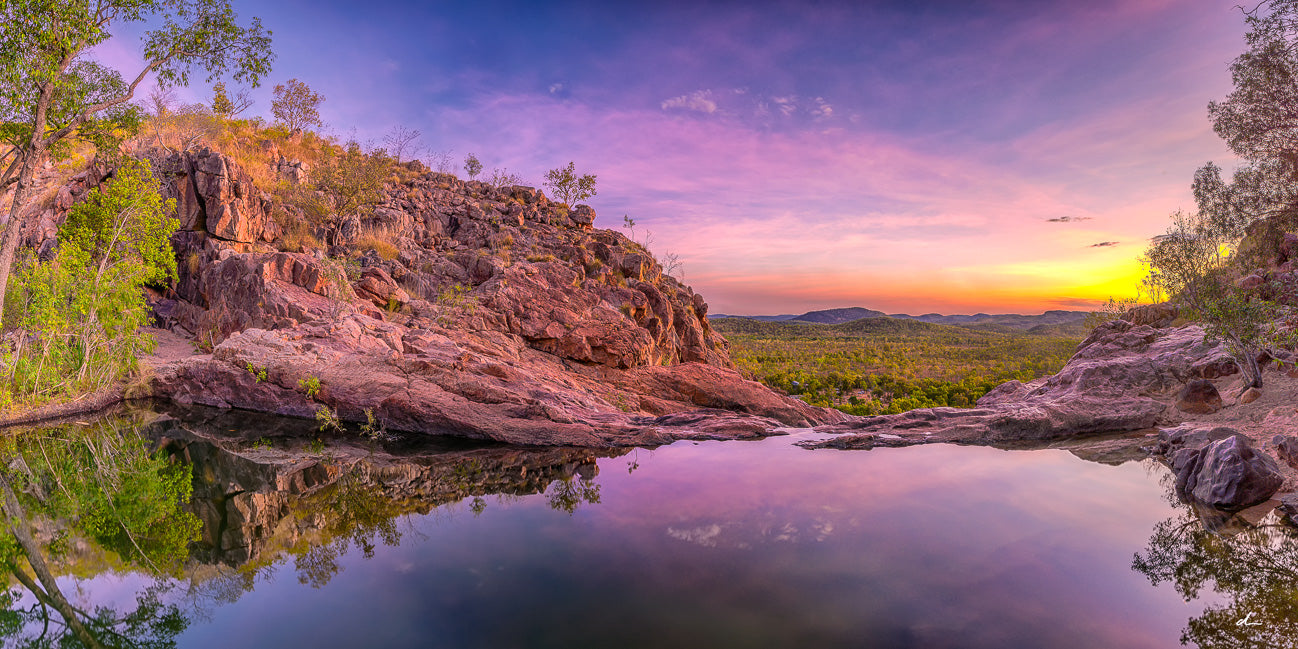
487	385
1036	421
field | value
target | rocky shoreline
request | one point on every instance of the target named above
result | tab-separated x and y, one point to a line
462	309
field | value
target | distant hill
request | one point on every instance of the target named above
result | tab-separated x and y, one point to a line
1054	322
838	316
875	326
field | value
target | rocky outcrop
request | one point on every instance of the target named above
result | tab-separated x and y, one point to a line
214	196
455	308
486	385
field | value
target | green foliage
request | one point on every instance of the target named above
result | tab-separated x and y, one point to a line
352	180
472	166
886	365
258	373
310	386
80	313
296	106
568	187
328	419
454	300
221	104
51	90
1256	121
1193	262
373	428
1241	321
1190	256
1112	310
103	482
96	486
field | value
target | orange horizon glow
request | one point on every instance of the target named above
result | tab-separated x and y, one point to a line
803	156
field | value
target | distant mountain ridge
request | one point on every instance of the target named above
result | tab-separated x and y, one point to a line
1002	321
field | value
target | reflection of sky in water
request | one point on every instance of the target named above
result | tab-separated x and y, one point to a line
758	544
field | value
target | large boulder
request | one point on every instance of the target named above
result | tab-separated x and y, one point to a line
1199	397
1227	474
1153	315
1171	440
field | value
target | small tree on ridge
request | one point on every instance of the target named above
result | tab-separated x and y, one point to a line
567	186
296	106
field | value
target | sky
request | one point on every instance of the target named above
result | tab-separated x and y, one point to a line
942	156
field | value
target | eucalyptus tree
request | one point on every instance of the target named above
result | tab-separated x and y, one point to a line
52	89
1259	122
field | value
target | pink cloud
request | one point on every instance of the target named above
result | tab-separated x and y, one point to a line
833	216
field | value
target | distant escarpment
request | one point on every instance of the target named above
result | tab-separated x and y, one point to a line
449	307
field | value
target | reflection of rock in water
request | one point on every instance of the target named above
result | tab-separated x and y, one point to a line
1247	557
263	487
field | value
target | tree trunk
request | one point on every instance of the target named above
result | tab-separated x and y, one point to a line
13	230
48	589
1252	371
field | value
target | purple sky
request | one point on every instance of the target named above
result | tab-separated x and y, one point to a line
903	156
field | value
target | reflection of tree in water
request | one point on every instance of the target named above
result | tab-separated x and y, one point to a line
362	514
98	483
568	494
1255	566
356	515
272	509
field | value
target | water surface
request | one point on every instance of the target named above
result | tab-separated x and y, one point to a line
723	544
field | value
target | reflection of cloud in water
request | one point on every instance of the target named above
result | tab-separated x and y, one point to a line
705	536
823	529
787	533
742	536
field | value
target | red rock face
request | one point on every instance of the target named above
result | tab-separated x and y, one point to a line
215	196
501	315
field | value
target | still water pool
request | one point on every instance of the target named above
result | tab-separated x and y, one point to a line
711	544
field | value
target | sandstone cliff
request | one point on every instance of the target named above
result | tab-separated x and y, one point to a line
452	307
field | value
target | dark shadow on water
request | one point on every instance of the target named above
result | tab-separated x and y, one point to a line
290	432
